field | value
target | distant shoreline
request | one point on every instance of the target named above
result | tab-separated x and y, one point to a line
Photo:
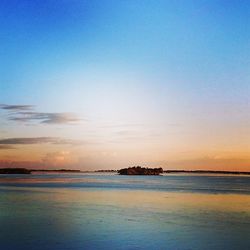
206	172
30	171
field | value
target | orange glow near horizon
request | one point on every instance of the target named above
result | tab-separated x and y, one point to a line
53	157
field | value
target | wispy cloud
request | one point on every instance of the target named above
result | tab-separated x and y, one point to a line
29	140
49	118
37	140
137	134
59	158
26	113
121	125
16	107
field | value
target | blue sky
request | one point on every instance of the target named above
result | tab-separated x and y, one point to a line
174	74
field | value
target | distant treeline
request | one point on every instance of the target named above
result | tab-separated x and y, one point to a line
106	171
29	171
14	171
206	172
127	171
56	170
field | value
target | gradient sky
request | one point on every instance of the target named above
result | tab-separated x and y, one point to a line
109	84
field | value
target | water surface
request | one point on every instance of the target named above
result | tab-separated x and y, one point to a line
76	211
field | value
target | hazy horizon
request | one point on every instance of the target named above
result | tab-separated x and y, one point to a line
110	84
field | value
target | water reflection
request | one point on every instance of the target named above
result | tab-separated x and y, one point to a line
66	218
180	183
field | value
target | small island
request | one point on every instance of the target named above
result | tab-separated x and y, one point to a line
140	171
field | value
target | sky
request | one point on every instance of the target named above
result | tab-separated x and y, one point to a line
109	84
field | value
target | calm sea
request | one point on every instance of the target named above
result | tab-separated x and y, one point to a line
104	211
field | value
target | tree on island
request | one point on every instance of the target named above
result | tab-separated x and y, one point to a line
140	171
